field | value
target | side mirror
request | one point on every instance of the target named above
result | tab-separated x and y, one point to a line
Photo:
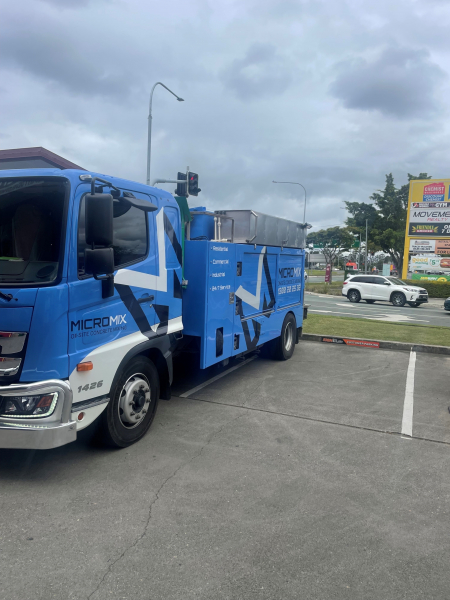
99	219
386	283
99	262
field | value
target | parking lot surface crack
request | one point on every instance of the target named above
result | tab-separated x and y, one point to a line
156	498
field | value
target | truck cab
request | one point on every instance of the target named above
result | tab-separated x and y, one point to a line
95	295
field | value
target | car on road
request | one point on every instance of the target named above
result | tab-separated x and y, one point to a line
388	289
447	304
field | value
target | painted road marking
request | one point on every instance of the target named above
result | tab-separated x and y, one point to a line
408	405
202	385
399	317
375	316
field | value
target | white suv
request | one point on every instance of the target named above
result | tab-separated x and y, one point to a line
390	289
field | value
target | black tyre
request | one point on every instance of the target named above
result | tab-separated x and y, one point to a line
370	301
284	346
353	295
398	299
414	304
133	403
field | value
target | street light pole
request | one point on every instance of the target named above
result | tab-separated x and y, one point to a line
149	139
296	183
365	268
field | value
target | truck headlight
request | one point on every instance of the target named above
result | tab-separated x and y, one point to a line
19	407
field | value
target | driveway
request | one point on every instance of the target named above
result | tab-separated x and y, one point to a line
274	481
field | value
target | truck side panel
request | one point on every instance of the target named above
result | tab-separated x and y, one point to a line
238	295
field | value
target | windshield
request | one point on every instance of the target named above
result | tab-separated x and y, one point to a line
31	219
396	281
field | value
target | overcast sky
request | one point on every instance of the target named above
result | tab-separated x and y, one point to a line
333	94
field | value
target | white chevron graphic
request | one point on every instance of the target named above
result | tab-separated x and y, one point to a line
247	297
145	280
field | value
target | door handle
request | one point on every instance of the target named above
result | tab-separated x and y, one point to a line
145	299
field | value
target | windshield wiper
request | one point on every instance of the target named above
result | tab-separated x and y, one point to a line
7	297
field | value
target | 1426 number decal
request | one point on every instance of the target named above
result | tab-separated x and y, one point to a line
90	386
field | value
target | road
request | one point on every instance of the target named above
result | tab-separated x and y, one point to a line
432	313
279	480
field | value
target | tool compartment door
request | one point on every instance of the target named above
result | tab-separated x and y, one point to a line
256	272
218	343
289	279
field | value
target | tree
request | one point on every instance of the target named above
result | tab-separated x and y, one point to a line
333	241
386	218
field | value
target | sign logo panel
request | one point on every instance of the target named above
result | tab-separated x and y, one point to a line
434	192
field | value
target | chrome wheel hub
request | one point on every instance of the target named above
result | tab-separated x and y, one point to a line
288	337
134	400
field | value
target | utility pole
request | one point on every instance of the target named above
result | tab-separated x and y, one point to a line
365	265
359	253
149	134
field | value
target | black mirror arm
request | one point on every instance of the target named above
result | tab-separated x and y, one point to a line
108	183
107	284
128	199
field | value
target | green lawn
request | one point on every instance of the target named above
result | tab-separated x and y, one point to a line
377	330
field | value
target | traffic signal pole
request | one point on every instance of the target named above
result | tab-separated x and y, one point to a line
185	181
190	182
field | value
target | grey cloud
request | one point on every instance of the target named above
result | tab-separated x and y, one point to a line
61	4
262	72
77	80
57	59
400	83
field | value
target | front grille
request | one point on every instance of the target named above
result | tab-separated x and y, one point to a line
423	292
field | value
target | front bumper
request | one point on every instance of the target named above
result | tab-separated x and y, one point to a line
416	297
43	433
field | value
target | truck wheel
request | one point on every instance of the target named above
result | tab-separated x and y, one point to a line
132	406
284	345
398	299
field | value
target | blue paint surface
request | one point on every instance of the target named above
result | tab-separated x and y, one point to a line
236	299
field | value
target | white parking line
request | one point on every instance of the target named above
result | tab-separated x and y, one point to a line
408	405
202	385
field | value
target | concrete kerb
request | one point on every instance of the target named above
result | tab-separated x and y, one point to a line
384	345
323	295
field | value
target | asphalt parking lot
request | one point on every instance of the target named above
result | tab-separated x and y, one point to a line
275	481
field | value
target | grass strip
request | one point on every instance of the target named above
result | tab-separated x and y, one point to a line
321	272
335	289
377	330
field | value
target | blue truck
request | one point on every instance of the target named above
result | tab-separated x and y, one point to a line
104	280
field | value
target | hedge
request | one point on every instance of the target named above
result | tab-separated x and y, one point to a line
435	289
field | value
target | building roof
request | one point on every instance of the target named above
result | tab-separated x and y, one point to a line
18	155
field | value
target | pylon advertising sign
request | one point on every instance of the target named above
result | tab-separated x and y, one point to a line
428	221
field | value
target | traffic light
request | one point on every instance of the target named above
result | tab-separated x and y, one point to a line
193	188
181	187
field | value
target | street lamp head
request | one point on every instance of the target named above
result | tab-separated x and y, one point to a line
180	99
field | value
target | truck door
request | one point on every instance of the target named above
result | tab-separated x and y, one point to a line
103	330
